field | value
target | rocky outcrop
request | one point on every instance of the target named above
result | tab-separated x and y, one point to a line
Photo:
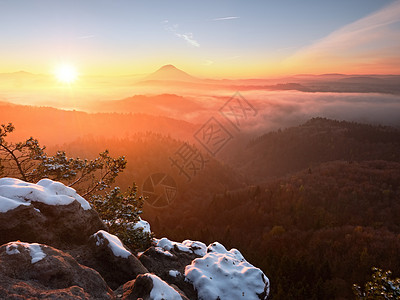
170	266
92	261
203	272
48	213
29	271
223	274
149	287
106	254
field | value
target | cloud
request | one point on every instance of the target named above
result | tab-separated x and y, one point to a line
233	57
282	109
84	37
370	43
226	18
170	28
208	62
290	108
188	37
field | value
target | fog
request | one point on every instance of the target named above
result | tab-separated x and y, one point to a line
283	109
197	103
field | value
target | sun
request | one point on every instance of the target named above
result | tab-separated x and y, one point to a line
66	73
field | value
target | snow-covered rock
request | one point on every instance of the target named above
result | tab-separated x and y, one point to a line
47	212
162	251
34	271
106	254
35	250
225	275
212	271
189	246
143	225
162	290
174	273
152	287
7	204
113	242
50	213
170	256
15	192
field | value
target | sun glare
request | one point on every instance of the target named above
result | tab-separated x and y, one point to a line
66	73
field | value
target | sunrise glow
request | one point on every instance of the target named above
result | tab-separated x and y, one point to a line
221	41
66	73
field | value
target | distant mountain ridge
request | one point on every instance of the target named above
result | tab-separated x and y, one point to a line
170	76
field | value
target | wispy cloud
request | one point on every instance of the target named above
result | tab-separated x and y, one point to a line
233	57
84	37
207	62
226	18
363	43
188	36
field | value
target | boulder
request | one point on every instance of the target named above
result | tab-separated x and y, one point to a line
223	274
206	273
168	259
47	212
106	254
35	271
149	287
51	213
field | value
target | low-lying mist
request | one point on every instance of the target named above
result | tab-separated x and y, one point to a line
249	115
284	109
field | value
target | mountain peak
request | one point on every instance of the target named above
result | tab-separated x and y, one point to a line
168	67
170	73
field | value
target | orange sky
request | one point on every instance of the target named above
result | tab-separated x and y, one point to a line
228	39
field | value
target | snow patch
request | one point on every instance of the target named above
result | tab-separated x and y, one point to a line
174	273
162	251
62	194
34	249
15	192
225	275
36	252
114	243
198	248
142	224
189	246
162	290
12	248
7	204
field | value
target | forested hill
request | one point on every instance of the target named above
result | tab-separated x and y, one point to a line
314	233
329	217
55	126
316	141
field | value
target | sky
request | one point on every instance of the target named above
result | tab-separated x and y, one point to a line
237	38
